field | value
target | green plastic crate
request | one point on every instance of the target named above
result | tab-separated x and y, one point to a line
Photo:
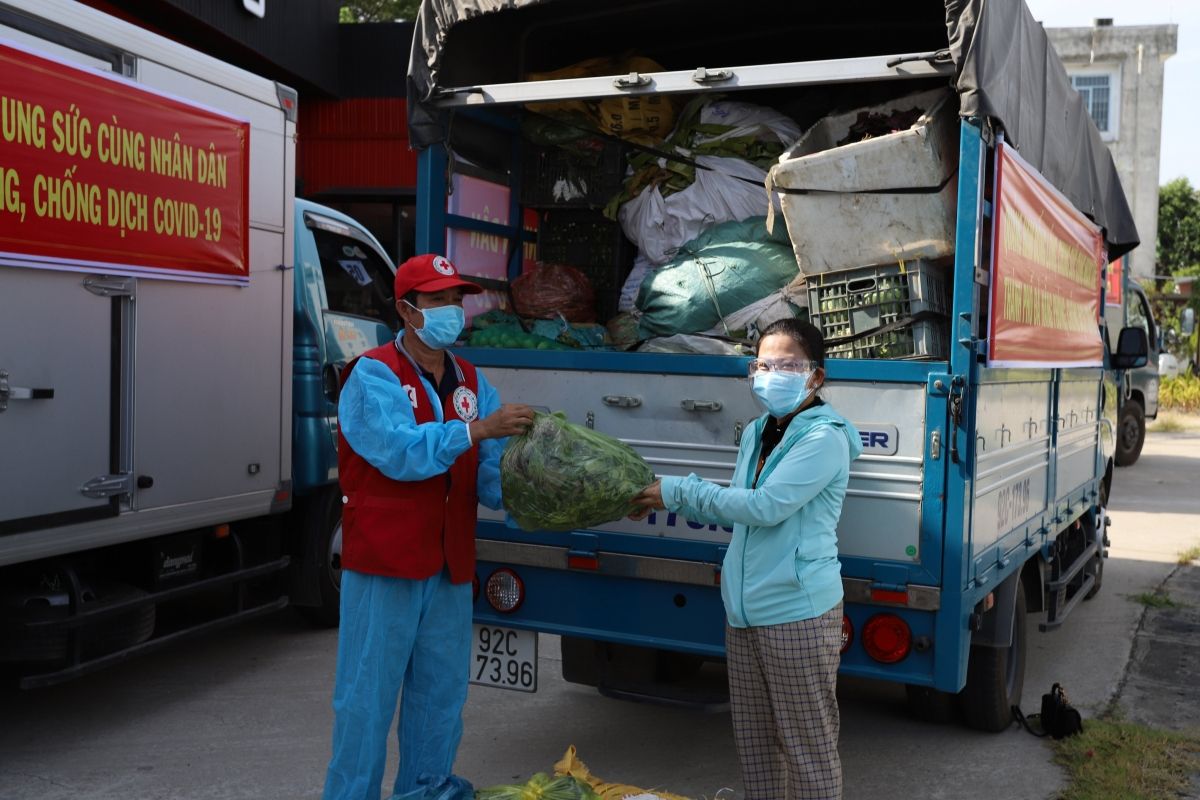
851	302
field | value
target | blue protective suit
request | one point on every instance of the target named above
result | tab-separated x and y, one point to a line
400	636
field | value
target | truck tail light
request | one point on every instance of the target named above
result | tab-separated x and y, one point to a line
887	638
505	591
847	633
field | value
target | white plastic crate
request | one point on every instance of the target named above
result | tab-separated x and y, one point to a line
877	201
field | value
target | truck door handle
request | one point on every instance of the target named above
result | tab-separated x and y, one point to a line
700	405
621	401
8	392
331	380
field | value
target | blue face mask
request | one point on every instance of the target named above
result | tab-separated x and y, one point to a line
443	324
780	393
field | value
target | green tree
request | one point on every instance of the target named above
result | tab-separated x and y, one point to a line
1178	246
379	10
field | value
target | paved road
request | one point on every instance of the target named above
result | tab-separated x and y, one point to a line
245	714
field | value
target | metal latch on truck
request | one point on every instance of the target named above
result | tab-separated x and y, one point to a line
9	392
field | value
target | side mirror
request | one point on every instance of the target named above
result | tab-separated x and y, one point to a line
1188	322
1133	349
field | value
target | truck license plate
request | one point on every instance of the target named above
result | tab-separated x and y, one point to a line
504	657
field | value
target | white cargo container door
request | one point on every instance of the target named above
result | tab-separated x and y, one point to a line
213	379
56	357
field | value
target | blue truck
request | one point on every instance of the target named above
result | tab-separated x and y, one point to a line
980	498
169	437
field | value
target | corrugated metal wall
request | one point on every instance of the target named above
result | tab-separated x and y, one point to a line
355	146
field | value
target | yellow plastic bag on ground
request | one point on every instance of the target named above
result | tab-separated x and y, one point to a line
570	765
631	117
540	787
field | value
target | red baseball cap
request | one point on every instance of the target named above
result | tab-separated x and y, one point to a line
430	273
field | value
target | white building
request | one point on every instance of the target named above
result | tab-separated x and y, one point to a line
1119	72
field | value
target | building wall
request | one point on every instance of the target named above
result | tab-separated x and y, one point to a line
1135	55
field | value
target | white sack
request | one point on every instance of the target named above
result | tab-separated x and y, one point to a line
748	120
660	226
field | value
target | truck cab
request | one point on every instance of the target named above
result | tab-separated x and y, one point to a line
343	307
1139	397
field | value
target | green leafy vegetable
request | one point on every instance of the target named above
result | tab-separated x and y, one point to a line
560	476
540	787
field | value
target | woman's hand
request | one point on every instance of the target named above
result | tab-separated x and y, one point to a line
649	500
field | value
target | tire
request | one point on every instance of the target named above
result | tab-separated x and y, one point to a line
1131	433
52	645
995	678
323	525
930	705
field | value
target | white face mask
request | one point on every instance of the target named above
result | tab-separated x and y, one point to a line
781	393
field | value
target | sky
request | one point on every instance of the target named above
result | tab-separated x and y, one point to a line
1181	111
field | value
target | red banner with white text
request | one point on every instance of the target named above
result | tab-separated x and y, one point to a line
1047	263
98	173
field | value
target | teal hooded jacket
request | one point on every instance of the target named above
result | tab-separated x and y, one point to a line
782	562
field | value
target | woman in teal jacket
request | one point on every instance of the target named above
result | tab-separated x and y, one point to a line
781	580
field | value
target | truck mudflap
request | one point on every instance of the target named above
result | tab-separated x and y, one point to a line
1076	568
71	628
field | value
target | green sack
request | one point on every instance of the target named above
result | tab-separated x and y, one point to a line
721	271
562	477
540	787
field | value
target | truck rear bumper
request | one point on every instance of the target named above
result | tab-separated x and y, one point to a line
675	605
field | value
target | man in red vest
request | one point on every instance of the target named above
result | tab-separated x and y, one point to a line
419	443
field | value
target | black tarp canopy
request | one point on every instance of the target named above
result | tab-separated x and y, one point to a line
1005	67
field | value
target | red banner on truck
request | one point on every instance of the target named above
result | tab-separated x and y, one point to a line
98	173
1047	263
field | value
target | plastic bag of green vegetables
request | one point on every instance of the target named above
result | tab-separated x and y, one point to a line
560	476
540	787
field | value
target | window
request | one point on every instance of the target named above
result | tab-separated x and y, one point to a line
357	280
1139	315
1100	91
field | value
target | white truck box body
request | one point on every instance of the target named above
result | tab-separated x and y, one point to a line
186	383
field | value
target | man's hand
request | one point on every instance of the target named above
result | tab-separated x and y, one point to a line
510	419
649	500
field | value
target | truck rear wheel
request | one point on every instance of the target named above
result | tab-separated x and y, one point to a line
1131	433
995	677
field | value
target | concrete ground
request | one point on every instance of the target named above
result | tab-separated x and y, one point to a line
245	713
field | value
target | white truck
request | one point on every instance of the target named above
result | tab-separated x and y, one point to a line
171	321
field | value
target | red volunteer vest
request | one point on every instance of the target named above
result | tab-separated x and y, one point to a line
410	529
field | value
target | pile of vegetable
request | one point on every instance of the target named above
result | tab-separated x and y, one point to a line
560	476
514	337
540	787
498	328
